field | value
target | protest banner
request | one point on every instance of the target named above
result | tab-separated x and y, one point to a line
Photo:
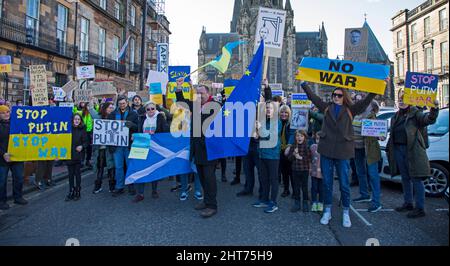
86	72
176	72
344	74
82	96
59	94
110	133
374	128
102	88
278	93
356	44
69	87
155	92
5	64
276	86
66	104
420	89
300	100
270	28
158	77
140	147
38	85
299	119
40	133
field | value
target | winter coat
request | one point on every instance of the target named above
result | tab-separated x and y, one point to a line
131	119
372	146
79	138
272	153
418	164
4	139
336	136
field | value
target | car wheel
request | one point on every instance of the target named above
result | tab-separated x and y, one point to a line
437	183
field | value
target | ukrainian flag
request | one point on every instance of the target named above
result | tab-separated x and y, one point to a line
222	62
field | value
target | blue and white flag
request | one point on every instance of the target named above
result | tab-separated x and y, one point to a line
168	156
123	52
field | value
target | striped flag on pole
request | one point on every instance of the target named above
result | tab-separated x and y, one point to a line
123	52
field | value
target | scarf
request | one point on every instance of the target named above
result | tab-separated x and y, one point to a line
150	123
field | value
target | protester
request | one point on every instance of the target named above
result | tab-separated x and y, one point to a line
300	155
316	177
154	122
6	165
206	169
407	155
238	168
101	154
123	113
336	145
83	110
19	103
269	158
80	141
287	136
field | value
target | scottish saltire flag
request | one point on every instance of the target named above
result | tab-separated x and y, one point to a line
168	156
229	133
123	52
221	62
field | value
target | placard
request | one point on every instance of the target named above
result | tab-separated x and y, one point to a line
299	119
86	72
374	128
270	28
82	96
58	94
420	89
102	88
176	72
38	85
356	44
300	100
110	133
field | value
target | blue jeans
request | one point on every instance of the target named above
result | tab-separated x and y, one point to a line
184	180
269	179
250	162
342	166
401	157
17	175
361	171
316	189
374	183
120	160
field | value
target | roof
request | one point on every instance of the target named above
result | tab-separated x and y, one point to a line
215	41
376	52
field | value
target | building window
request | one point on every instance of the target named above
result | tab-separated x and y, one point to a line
400	66
61	29
415	62
399	39
103	4
102	45
84	40
429	59
444	56
60	79
116	41
133	15
413	33
426	26
32	21
445	94
132	51
443	22
117	10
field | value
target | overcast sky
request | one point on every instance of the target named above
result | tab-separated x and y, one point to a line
188	16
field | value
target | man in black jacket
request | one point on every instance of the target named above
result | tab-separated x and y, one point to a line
123	113
6	165
206	169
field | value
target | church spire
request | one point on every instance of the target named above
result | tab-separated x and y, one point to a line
288	6
236	11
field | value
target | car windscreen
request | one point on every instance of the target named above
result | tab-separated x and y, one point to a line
440	128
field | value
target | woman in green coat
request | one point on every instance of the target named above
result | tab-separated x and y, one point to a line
407	155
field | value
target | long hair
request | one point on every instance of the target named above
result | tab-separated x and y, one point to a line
302	132
347	98
103	109
81	120
285	108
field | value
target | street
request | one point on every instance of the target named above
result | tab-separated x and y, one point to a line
98	220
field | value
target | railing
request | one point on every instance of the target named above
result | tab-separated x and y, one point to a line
87	57
420	8
135	68
110	9
15	32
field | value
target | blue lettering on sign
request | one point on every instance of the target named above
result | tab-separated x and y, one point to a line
43	153
54	152
35	141
16	141
63	153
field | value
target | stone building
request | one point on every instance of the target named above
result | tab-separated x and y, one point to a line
296	45
421	38
63	34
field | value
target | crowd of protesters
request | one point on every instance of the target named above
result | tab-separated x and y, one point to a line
303	162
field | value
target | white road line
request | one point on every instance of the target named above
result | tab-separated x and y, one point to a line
382	210
442	210
360	216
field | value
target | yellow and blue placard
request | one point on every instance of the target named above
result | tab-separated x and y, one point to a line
300	100
176	72
40	133
420	89
5	64
344	74
229	85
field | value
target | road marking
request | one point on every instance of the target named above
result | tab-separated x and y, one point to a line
360	216
382	210
442	210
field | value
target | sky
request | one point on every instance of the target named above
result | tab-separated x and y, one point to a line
187	17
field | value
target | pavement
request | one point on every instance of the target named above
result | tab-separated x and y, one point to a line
101	220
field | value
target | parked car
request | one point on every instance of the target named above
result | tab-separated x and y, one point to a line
438	154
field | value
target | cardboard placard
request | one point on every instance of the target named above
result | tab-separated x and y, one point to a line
82	96
110	133
38	85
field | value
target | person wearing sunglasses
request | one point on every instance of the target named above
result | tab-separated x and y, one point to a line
336	146
154	122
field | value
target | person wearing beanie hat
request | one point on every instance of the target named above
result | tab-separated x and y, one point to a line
6	165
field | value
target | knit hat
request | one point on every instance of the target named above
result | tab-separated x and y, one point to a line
4	109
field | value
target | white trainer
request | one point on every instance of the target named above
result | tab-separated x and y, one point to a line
346	221
326	217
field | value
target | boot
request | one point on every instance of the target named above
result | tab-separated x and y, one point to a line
305	206
98	186
69	196
77	194
296	206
